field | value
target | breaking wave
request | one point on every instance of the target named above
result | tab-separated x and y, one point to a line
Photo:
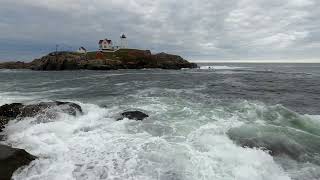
178	141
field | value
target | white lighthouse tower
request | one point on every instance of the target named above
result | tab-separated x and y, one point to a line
123	42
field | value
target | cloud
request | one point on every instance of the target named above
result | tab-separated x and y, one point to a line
204	29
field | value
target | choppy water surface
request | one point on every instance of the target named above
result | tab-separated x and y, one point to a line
187	134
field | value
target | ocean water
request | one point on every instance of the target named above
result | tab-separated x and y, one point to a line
186	136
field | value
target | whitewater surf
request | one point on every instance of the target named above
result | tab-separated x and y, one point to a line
256	123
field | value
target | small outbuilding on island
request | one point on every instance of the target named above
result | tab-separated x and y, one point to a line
82	50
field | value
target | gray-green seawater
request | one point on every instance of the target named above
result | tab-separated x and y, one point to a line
197	119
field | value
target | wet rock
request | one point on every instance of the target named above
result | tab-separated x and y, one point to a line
74	108
3	121
34	109
10	110
11	159
134	115
18	110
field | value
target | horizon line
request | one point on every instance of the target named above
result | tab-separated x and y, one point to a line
301	61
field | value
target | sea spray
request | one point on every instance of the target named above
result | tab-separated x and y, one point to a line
95	145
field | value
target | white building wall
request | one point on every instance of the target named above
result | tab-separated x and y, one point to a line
105	45
124	43
81	51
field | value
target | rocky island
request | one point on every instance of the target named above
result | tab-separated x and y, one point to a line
99	60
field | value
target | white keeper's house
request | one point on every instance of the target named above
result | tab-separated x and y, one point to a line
105	44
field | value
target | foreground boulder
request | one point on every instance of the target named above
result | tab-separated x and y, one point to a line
34	109
133	115
8	112
11	159
18	110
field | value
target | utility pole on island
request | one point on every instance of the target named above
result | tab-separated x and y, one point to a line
57	46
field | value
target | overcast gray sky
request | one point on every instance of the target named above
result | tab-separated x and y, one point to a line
198	30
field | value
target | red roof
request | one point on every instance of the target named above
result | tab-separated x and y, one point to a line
108	41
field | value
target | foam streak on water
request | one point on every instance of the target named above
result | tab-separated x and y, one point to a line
222	67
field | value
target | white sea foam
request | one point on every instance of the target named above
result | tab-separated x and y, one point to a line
165	146
221	67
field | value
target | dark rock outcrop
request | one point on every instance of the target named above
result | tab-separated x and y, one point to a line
15	65
168	61
11	159
134	115
18	110
58	61
121	59
9	112
34	109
